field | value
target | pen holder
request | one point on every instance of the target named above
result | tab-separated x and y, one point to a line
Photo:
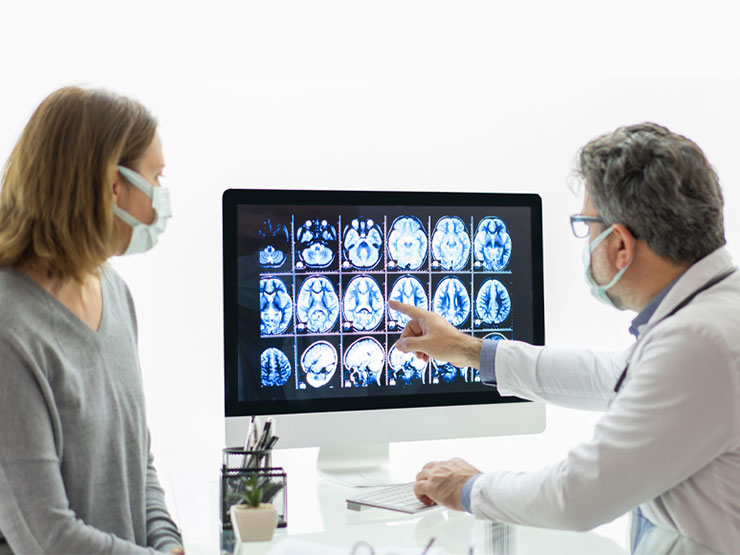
239	464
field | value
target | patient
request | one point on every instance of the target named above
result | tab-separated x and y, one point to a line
76	472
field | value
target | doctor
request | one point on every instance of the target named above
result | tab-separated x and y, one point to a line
668	444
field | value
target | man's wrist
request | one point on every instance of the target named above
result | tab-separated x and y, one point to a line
467	492
472	351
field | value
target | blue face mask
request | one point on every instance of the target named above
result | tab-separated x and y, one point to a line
599	291
144	236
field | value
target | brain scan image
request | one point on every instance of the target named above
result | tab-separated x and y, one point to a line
363	241
275	367
445	372
450	243
495	336
276	240
363	304
317	307
319	362
407	243
405	368
316	241
409	290
276	306
364	362
493	304
492	245
451	301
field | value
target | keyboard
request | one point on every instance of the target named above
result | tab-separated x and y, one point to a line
394	498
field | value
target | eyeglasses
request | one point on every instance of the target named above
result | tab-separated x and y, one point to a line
580	224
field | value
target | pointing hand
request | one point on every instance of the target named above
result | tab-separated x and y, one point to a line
429	335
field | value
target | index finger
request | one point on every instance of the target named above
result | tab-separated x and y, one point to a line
412	329
407	309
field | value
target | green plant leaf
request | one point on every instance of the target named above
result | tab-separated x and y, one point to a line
253	489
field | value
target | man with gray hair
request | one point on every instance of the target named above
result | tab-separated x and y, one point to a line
668	445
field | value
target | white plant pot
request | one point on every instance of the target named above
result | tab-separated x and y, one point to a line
254	524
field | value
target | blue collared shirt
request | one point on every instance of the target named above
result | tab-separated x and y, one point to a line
650	308
488	369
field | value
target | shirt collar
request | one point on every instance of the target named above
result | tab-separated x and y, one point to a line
650	308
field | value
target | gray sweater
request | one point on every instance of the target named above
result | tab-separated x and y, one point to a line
76	473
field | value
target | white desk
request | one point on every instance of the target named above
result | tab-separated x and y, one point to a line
317	514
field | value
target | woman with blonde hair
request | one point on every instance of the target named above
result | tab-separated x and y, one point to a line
76	472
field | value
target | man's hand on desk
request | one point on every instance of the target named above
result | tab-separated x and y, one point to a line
442	482
178	551
428	334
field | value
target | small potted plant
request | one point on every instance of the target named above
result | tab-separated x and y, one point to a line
252	519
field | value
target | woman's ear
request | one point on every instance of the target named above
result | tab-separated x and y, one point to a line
116	184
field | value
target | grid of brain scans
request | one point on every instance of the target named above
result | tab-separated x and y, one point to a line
325	281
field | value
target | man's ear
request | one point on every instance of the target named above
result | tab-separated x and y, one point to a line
626	244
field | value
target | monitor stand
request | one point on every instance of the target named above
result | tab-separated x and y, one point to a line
360	466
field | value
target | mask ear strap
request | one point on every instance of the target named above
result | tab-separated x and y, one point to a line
136	180
616	278
603	235
125	216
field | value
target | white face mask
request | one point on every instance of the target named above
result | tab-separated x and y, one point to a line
144	236
599	291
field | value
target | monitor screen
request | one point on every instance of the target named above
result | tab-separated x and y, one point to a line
308	276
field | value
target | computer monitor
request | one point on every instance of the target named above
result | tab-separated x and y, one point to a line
309	336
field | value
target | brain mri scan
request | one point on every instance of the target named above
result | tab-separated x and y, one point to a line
276	240
405	368
407	243
317	307
316	241
493	304
364	362
492	245
495	336
276	307
409	290
275	367
451	301
445	372
451	243
363	242
319	362
363	303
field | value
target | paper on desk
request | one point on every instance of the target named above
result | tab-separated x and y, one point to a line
292	546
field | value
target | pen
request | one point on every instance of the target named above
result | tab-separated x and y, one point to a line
248	441
273	426
255	431
271	443
267	462
254	426
265	437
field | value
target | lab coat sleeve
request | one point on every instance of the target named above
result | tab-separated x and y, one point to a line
573	378
678	410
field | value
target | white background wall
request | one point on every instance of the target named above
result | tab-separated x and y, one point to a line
417	95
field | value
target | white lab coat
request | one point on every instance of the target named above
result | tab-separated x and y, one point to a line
668	442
